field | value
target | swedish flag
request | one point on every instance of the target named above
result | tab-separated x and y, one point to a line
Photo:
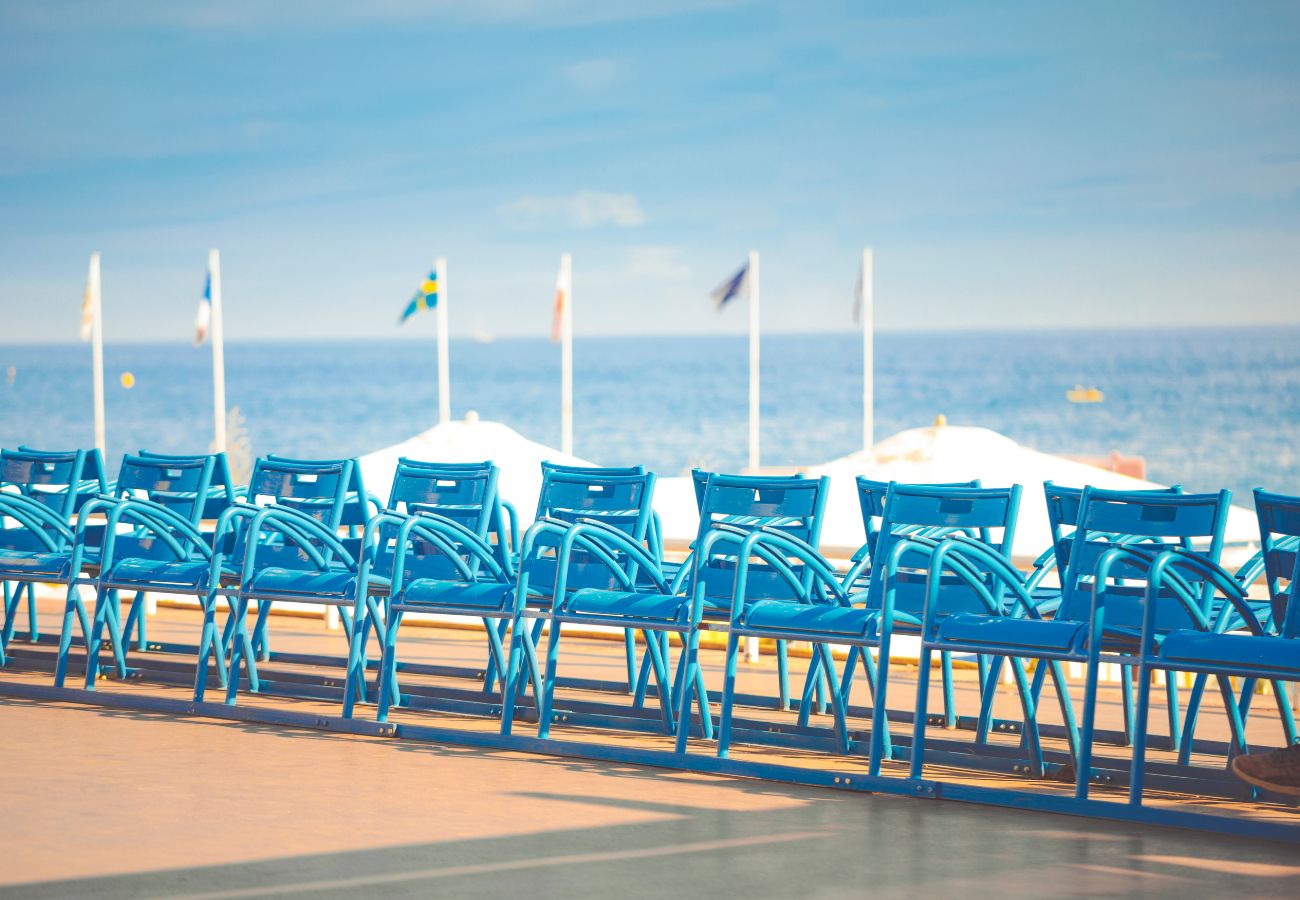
426	297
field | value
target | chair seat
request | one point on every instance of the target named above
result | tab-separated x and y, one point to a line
813	619
304	583
159	574
1002	631
615	605
486	596
1247	651
27	564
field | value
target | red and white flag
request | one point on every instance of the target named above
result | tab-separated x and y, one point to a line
563	287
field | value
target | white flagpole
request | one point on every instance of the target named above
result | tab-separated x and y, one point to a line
218	354
751	644
867	301
566	356
444	359
753	359
97	352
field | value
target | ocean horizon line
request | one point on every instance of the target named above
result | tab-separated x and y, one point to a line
476	338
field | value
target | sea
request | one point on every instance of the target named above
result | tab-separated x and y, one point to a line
1206	408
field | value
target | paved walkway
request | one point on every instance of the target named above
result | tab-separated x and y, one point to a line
118	803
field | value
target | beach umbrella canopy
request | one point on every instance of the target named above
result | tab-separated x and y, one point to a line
947	453
472	440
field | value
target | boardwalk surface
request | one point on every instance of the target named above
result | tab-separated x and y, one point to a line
114	802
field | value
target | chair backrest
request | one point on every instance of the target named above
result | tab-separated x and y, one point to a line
792	504
620	498
986	514
1063	516
1150	522
182	484
653	538
1279	531
871	500
466	493
327	490
320	488
61	480
172	475
352	511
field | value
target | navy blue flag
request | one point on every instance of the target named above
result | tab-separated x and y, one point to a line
731	288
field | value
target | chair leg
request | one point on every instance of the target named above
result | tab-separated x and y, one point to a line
881	746
11	597
1236	724
988	693
72	607
1138	769
690	653
33	623
1189	722
839	705
1172	708
921	719
96	638
702	698
354	682
490	673
1126	691
546	702
1030	710
1083	774
629	651
783	675
1285	712
1067	707
261	638
135	621
510	677
657	660
388	667
207	644
949	697
643	676
728	697
811	687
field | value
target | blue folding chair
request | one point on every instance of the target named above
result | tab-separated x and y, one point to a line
1279	529
871	501
893	602
1063	516
49	487
550	567
1100	617
150	541
440	551
763	506
733	507
287	546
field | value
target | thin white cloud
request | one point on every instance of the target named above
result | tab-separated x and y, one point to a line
592	76
308	15
584	209
657	261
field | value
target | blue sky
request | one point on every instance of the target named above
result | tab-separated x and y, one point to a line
1014	164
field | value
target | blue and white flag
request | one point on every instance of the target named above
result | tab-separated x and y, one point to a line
731	288
203	320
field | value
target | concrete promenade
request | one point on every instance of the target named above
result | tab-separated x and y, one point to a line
124	803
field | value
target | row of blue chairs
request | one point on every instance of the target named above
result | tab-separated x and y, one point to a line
1138	583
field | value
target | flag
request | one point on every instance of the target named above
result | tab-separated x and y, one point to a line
90	299
731	288
562	289
203	318
426	297
857	296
